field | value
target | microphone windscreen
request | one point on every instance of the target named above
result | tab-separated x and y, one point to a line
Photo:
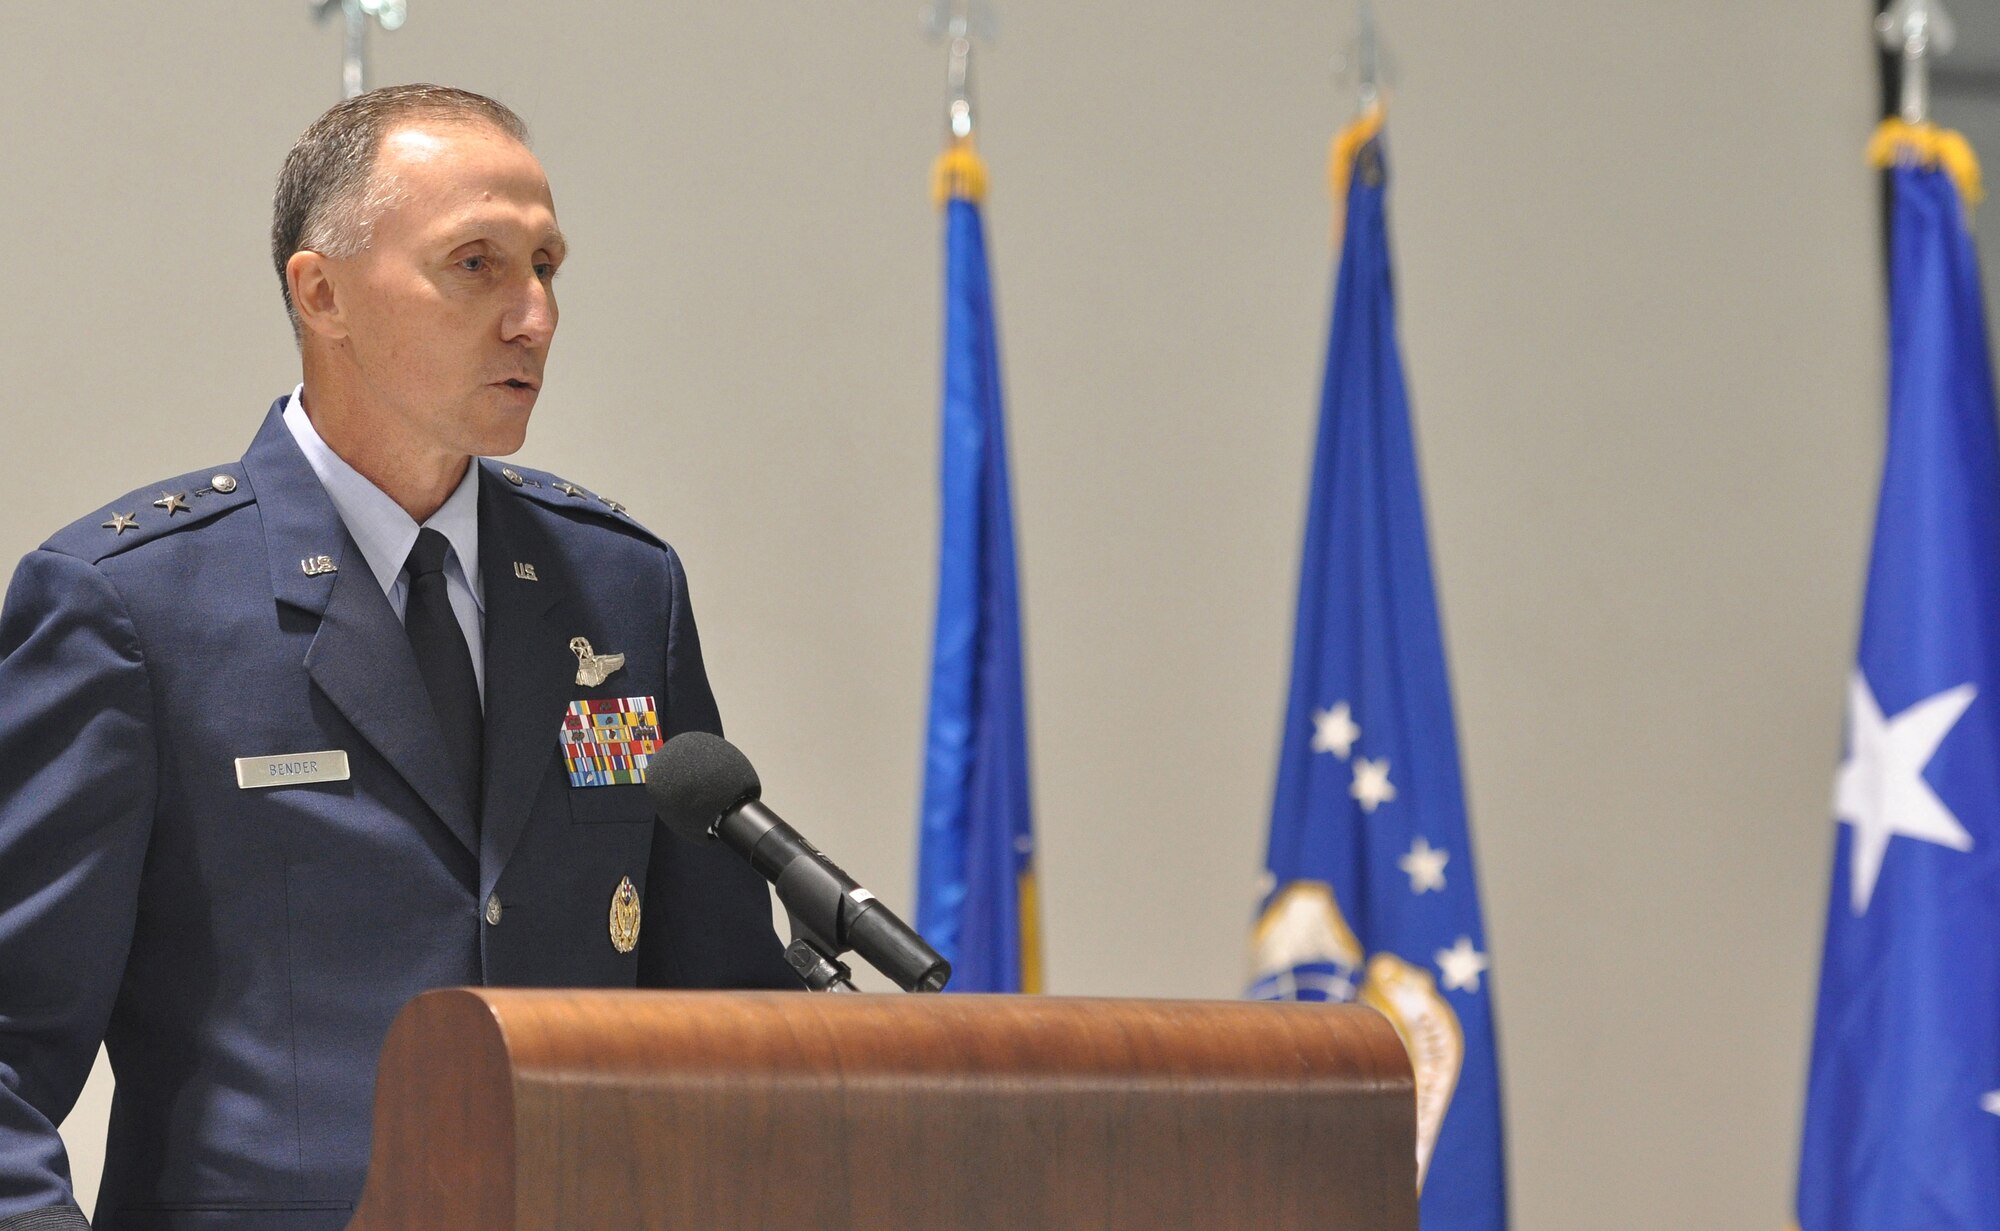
696	779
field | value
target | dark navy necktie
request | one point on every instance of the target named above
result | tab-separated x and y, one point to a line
443	660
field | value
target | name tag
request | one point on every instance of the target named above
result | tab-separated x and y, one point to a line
294	770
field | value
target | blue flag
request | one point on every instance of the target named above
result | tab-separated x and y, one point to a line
1902	1122
975	872
1370	892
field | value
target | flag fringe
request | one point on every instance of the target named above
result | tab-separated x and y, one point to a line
1030	905
1347	145
958	175
1897	144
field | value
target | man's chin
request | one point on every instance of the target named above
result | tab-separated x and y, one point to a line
503	431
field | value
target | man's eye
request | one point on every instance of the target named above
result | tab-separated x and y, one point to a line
545	271
473	264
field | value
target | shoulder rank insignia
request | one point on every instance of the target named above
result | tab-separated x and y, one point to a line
625	917
593	668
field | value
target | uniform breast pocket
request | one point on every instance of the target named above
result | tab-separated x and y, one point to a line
624	804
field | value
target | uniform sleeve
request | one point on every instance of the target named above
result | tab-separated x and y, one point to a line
78	778
715	909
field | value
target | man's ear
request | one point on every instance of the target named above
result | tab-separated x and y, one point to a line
311	277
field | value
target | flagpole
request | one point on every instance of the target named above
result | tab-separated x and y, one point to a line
1368	50
1364	60
959	22
390	14
1917	30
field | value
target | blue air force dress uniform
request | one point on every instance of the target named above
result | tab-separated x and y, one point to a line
241	951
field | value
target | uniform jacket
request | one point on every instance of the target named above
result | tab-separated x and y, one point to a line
241	952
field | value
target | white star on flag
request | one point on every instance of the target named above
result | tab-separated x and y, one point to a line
1881	790
1991	1102
1334	731
1371	787
1462	965
1424	866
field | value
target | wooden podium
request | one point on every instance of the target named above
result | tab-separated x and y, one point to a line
723	1111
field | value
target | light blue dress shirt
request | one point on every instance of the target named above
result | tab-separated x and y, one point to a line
385	533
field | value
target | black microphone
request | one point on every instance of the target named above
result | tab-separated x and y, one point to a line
703	788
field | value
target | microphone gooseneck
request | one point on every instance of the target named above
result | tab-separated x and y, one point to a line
704	789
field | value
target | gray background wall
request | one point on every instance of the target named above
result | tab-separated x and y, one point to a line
1640	286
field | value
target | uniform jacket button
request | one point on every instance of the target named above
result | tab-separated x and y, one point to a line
493	910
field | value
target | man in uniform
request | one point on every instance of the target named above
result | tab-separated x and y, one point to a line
287	741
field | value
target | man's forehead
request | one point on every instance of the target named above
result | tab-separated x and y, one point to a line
424	138
472	177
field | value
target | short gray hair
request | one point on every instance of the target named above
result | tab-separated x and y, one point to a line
328	194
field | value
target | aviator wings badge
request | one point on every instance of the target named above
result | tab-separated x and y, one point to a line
593	668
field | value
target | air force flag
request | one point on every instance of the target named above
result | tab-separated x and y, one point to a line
1371	892
1902	1123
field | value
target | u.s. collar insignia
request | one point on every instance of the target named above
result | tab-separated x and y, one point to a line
625	917
593	668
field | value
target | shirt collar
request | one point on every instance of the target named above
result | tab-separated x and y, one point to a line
380	528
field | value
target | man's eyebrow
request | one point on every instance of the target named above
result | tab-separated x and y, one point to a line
553	240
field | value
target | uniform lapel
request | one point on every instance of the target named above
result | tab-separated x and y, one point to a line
360	657
529	668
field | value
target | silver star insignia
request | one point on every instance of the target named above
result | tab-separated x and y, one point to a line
172	502
571	489
121	522
611	504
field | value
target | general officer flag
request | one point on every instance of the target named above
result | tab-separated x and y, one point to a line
1902	1121
1370	887
975	873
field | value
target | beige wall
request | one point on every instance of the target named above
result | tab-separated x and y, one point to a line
1640	284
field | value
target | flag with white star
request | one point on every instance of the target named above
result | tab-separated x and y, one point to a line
1369	890
1902	1121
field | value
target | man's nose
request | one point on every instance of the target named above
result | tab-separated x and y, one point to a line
531	318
